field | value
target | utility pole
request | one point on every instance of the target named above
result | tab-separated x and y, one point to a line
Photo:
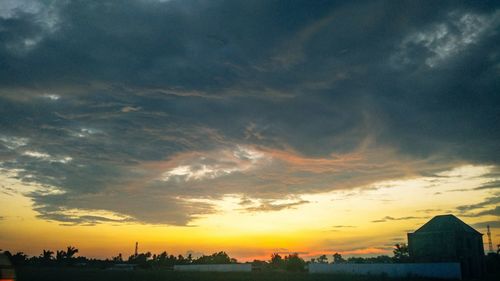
490	244
137	246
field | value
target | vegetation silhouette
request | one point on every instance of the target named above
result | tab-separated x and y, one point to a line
290	262
277	263
46	257
401	253
337	258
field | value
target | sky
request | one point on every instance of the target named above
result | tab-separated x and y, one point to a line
251	127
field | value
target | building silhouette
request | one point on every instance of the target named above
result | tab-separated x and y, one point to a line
446	238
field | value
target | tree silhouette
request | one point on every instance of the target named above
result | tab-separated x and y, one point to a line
337	258
47	255
401	253
377	259
17	259
71	251
162	258
118	259
322	259
60	255
215	258
276	260
141	259
294	263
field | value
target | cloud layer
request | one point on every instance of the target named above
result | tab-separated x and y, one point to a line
146	109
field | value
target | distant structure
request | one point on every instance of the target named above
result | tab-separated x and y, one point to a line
446	238
136	248
490	244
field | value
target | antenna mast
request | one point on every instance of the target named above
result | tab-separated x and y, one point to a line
137	246
490	244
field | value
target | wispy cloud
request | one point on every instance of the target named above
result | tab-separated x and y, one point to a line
484	224
389	218
343	226
489	185
12	142
427	211
490	212
361	251
489	201
268	206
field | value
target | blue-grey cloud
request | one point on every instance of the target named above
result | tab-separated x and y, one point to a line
487	202
492	212
489	185
489	212
140	107
482	225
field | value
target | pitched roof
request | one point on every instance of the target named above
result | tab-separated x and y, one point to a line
443	223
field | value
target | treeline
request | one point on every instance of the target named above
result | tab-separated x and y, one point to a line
145	260
164	260
289	262
58	258
337	258
400	255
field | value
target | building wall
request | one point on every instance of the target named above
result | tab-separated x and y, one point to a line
433	246
215	267
430	270
462	247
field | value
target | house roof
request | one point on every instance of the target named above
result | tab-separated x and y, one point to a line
446	223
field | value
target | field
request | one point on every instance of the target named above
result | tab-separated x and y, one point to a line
81	274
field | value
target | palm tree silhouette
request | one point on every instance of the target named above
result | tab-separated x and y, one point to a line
60	255
47	255
71	252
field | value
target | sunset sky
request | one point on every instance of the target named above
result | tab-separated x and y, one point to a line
251	127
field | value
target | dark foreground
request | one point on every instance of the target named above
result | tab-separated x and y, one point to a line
81	274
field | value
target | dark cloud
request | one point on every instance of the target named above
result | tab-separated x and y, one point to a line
138	107
68	220
124	207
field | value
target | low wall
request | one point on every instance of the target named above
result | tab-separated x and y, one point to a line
215	267
433	270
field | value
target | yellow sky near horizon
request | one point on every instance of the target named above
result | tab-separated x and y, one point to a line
362	221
